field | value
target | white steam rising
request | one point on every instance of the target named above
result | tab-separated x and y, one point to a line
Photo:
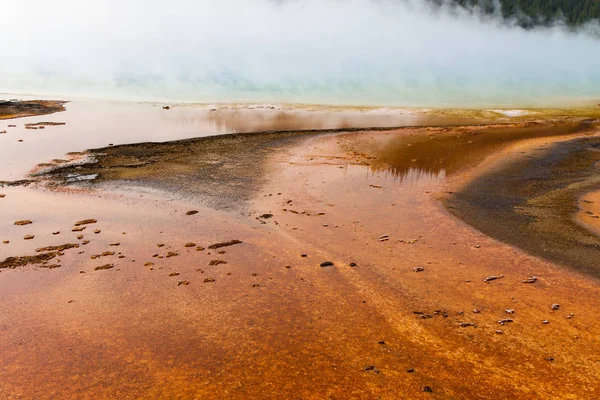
317	51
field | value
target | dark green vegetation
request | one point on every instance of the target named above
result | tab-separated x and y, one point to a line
530	13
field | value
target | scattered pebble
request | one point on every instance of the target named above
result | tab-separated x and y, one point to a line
23	222
105	266
191	212
327	264
224	244
555	306
28	237
419	269
185	283
493	278
371	368
85	222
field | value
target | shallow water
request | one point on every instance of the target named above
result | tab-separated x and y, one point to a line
99	124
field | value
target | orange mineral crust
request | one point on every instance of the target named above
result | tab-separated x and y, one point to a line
334	271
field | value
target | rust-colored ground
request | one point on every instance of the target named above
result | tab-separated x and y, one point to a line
275	324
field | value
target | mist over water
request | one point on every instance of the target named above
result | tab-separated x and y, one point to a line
312	51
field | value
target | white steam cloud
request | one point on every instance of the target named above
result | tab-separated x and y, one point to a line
317	51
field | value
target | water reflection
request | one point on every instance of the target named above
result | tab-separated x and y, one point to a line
436	153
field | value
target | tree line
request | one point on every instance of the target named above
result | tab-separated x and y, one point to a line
530	13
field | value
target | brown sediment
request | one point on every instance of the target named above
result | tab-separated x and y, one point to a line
19	109
13	262
61	247
43	124
224	244
85	222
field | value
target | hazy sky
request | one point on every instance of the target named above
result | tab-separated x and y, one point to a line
346	51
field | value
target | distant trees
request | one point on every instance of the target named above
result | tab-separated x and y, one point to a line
530	13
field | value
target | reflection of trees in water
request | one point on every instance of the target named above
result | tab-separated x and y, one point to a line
428	157
249	120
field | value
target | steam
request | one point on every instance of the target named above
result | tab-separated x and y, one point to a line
314	51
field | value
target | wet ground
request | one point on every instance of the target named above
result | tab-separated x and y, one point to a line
532	203
352	279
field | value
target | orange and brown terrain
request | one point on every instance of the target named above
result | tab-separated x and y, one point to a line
451	261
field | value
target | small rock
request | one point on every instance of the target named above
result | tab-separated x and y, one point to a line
172	254
505	321
28	237
85	222
56	233
427	389
266	216
190	245
23	222
555	307
114	244
174	274
510	311
97	231
352	264
185	283
371	368
493	278
545	322
79	237
105	266
209	280
410	370
78	229
192	212
499	332
419	269
327	264
531	279
467	324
